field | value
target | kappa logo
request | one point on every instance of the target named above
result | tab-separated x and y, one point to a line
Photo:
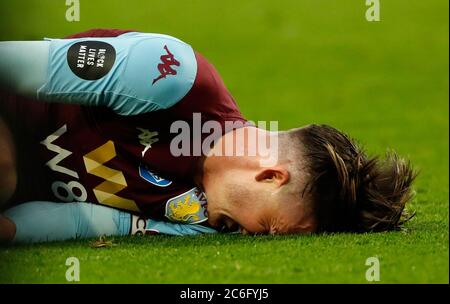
165	68
188	207
152	178
147	139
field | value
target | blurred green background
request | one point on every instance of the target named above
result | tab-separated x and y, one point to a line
297	62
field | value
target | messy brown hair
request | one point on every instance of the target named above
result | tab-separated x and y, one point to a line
351	192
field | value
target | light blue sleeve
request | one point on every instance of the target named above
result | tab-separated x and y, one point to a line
47	221
132	74
141	225
23	66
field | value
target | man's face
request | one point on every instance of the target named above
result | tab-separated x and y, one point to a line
238	200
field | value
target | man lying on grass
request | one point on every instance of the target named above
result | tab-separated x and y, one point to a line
90	145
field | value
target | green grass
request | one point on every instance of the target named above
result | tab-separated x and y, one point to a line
295	61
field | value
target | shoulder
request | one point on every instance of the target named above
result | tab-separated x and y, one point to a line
167	71
170	66
155	69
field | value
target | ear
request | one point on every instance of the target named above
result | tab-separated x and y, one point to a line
276	174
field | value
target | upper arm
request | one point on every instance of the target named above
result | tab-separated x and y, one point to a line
133	73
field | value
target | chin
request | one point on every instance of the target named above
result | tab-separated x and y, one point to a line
213	214
214	219
215	224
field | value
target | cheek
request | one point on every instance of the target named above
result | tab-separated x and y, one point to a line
250	220
244	204
295	221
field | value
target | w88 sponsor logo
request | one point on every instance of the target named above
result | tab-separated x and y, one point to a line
73	190
94	161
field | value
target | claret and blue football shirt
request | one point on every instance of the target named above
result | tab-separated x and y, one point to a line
106	153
